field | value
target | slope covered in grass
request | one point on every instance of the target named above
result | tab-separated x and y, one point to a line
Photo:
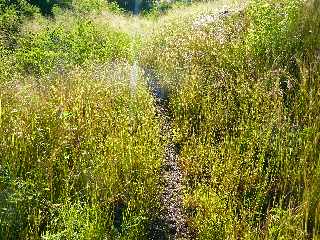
74	149
244	95
81	150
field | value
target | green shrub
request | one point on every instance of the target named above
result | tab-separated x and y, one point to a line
46	6
58	47
86	6
272	32
135	6
12	14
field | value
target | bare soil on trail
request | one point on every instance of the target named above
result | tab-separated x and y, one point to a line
172	215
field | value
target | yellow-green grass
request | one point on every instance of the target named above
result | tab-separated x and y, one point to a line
73	149
244	92
77	145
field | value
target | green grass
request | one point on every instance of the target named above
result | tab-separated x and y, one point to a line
243	97
77	144
72	149
80	153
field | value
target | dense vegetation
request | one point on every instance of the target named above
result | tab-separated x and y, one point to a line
81	149
245	102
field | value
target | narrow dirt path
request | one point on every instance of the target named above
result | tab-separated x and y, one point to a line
173	215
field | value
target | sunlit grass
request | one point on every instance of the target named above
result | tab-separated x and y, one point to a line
81	152
244	109
78	141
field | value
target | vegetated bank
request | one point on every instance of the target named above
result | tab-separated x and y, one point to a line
80	154
244	94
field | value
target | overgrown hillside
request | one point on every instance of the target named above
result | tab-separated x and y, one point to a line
244	85
81	134
80	154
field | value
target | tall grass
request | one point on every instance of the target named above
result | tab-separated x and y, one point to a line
244	87
81	154
74	150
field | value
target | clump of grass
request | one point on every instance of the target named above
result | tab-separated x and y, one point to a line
243	96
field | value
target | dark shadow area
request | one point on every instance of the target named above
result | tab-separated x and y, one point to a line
118	209
157	229
46	6
134	6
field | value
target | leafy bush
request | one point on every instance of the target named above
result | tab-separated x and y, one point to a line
12	14
46	6
85	6
135	6
57	47
272	28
